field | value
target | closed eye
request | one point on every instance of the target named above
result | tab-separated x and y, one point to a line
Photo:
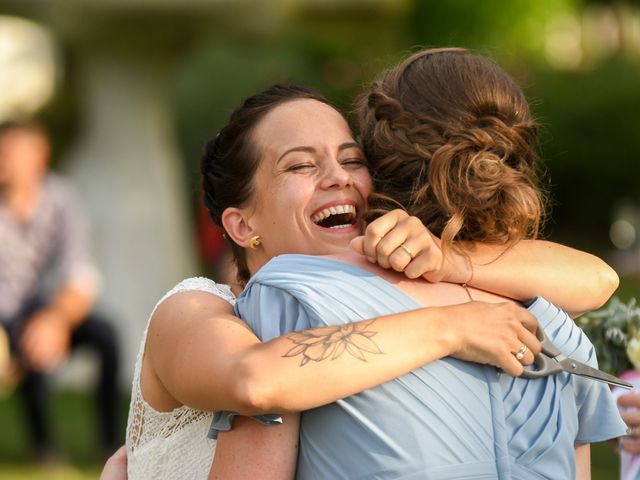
300	166
355	162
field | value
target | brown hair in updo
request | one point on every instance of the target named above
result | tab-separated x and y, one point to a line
450	139
230	160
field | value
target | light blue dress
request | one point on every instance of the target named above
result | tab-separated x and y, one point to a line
446	420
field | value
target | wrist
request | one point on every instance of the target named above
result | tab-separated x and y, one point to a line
57	316
459	267
449	338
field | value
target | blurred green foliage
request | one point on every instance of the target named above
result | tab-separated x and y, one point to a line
589	114
591	145
590	135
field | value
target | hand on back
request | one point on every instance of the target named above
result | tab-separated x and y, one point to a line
493	333
401	242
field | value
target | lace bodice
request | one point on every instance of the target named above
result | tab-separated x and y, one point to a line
170	445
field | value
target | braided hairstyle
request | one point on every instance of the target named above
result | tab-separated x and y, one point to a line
450	139
231	159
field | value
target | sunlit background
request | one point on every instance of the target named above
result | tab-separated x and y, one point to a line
130	90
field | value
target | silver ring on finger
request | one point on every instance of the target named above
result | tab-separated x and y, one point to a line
406	249
631	431
520	354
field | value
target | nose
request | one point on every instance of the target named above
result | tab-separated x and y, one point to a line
335	175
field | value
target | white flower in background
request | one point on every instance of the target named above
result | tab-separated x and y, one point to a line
633	352
616	335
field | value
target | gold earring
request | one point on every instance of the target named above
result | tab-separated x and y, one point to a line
255	241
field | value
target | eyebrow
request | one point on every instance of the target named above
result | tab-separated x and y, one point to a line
342	147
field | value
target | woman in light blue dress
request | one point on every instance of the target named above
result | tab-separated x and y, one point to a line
448	419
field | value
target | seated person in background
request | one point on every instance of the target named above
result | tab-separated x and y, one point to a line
48	282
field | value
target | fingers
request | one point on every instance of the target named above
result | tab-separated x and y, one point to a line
630	444
395	250
357	245
530	341
522	353
401	242
44	357
427	264
526	345
629	403
631	417
521	344
494	334
44	347
629	400
377	229
510	365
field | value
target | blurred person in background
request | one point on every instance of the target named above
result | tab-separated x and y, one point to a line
629	404
629	445
48	282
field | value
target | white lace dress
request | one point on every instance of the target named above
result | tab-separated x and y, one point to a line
170	445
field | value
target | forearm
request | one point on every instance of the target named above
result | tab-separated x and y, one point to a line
311	368
223	366
288	373
71	305
210	360
250	450
583	461
575	281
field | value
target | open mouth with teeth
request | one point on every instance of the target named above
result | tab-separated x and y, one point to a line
338	216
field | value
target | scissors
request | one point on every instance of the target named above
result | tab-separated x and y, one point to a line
551	361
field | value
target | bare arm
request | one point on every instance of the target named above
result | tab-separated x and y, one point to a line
583	462
45	340
198	354
115	467
575	281
251	450
46	337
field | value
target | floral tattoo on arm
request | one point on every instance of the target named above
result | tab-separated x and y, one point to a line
320	344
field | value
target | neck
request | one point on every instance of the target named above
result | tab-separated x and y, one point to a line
255	260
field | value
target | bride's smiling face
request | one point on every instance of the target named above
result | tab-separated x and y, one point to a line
312	183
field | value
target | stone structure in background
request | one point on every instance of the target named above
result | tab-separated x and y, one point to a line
125	161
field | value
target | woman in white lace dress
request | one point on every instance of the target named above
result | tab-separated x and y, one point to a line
197	357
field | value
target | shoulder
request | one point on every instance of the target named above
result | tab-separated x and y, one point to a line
197	294
192	301
291	270
203	285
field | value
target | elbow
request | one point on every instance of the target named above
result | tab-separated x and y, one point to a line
254	390
607	283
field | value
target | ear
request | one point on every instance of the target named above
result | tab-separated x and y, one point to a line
236	223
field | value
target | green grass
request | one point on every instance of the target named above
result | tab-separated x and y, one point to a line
74	432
